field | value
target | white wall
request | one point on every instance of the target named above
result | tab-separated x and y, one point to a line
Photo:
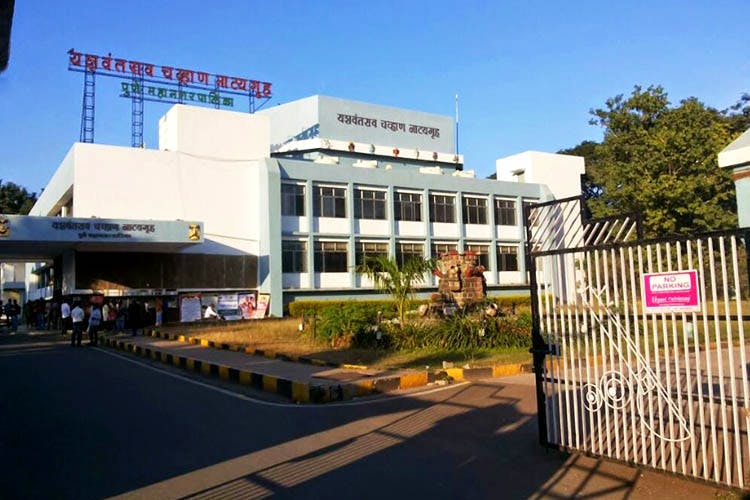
561	173
294	224
331	225
129	183
409	228
290	119
213	133
61	182
372	227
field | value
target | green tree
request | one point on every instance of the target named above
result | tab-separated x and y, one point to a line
398	281
661	161
589	151
15	199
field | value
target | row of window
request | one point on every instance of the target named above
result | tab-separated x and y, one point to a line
332	256
371	204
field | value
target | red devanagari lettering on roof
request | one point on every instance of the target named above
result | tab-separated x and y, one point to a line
239	83
148	69
107	62
184	76
92	62
222	81
202	77
75	57
120	65
136	68
167	72
266	89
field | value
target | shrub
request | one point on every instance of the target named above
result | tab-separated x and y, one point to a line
318	307
463	331
340	325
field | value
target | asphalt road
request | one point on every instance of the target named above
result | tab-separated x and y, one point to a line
90	423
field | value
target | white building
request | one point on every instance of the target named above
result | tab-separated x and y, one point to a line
286	202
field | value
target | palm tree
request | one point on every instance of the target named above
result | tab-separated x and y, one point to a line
397	280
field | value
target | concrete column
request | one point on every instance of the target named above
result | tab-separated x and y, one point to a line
460	221
350	256
309	205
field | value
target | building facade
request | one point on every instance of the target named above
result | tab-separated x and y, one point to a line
288	201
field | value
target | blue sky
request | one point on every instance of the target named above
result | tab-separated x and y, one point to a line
527	72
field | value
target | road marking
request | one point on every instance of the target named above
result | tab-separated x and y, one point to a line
249	399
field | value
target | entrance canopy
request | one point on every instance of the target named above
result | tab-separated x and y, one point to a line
31	238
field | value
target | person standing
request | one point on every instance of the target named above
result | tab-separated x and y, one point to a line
28	314
159	312
135	317
105	317
15	311
65	315
95	320
121	317
77	315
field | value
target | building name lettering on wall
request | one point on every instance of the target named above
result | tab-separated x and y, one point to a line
362	121
103	226
110	230
162	93
180	76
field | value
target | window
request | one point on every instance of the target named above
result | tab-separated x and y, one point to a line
406	251
507	258
369	249
293	256
528	205
408	206
475	210
442	208
330	202
505	212
292	199
482	251
330	257
369	204
438	249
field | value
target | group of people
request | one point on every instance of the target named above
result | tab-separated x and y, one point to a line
12	311
108	316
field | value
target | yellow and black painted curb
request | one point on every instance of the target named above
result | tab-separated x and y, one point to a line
460	374
295	391
250	350
304	392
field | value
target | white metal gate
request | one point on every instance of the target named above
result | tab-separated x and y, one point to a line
617	378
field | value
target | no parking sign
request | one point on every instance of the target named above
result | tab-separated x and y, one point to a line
671	292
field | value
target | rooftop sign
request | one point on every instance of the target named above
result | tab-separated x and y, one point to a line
124	68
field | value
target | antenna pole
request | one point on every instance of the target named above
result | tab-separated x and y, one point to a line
456	123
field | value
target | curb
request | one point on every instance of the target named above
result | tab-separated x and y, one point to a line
304	392
458	374
250	350
294	391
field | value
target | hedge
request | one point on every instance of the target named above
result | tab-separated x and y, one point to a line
388	307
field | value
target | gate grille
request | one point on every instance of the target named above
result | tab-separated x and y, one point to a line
668	390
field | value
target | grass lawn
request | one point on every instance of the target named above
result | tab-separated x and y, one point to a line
282	335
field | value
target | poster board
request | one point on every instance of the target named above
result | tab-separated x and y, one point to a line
190	308
264	300
227	301
227	305
247	304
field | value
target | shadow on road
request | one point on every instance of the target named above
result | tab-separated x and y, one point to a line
79	423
